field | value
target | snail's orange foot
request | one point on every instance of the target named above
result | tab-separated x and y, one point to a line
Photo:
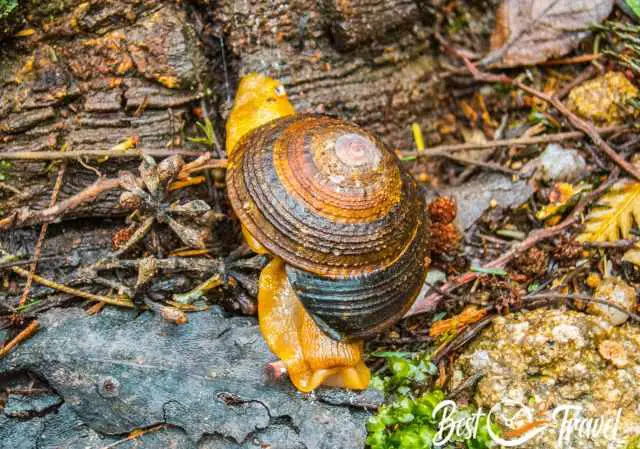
353	377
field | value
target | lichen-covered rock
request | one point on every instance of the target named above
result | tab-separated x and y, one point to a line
118	371
548	358
605	99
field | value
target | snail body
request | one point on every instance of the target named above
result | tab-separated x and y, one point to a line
347	228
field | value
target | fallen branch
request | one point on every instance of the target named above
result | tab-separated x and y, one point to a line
93	154
444	150
27	332
28	217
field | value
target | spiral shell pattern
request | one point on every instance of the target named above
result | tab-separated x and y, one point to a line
332	201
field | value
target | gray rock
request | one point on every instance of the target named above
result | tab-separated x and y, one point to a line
119	371
557	163
475	196
23	406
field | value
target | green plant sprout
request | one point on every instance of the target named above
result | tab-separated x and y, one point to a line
208	134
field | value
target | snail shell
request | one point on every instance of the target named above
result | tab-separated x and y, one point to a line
335	204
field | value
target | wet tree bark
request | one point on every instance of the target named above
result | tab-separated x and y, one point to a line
89	75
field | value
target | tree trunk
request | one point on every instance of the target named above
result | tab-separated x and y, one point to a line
90	75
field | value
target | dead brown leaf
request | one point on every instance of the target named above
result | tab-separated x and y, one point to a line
528	32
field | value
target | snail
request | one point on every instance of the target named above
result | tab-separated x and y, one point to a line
345	225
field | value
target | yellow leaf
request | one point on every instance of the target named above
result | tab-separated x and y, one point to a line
562	197
26	32
613	217
169	81
127	144
633	255
417	137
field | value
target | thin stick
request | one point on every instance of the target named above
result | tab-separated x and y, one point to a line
18	263
43	232
135	238
136	434
479	163
465	335
619	244
72	291
443	150
585	298
93	154
585	75
573	59
27	332
28	217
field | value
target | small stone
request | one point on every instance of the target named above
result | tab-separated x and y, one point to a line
561	164
617	291
605	99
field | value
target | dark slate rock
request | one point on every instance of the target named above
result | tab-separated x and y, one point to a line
63	429
17	434
119	371
24	406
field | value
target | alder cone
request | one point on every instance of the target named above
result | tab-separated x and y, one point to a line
335	204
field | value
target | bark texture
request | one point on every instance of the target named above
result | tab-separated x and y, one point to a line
89	75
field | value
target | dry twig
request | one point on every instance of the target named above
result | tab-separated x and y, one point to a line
27	332
445	150
28	217
43	232
72	291
556	297
94	154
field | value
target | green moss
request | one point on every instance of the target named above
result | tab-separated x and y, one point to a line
411	424
6	7
406	421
